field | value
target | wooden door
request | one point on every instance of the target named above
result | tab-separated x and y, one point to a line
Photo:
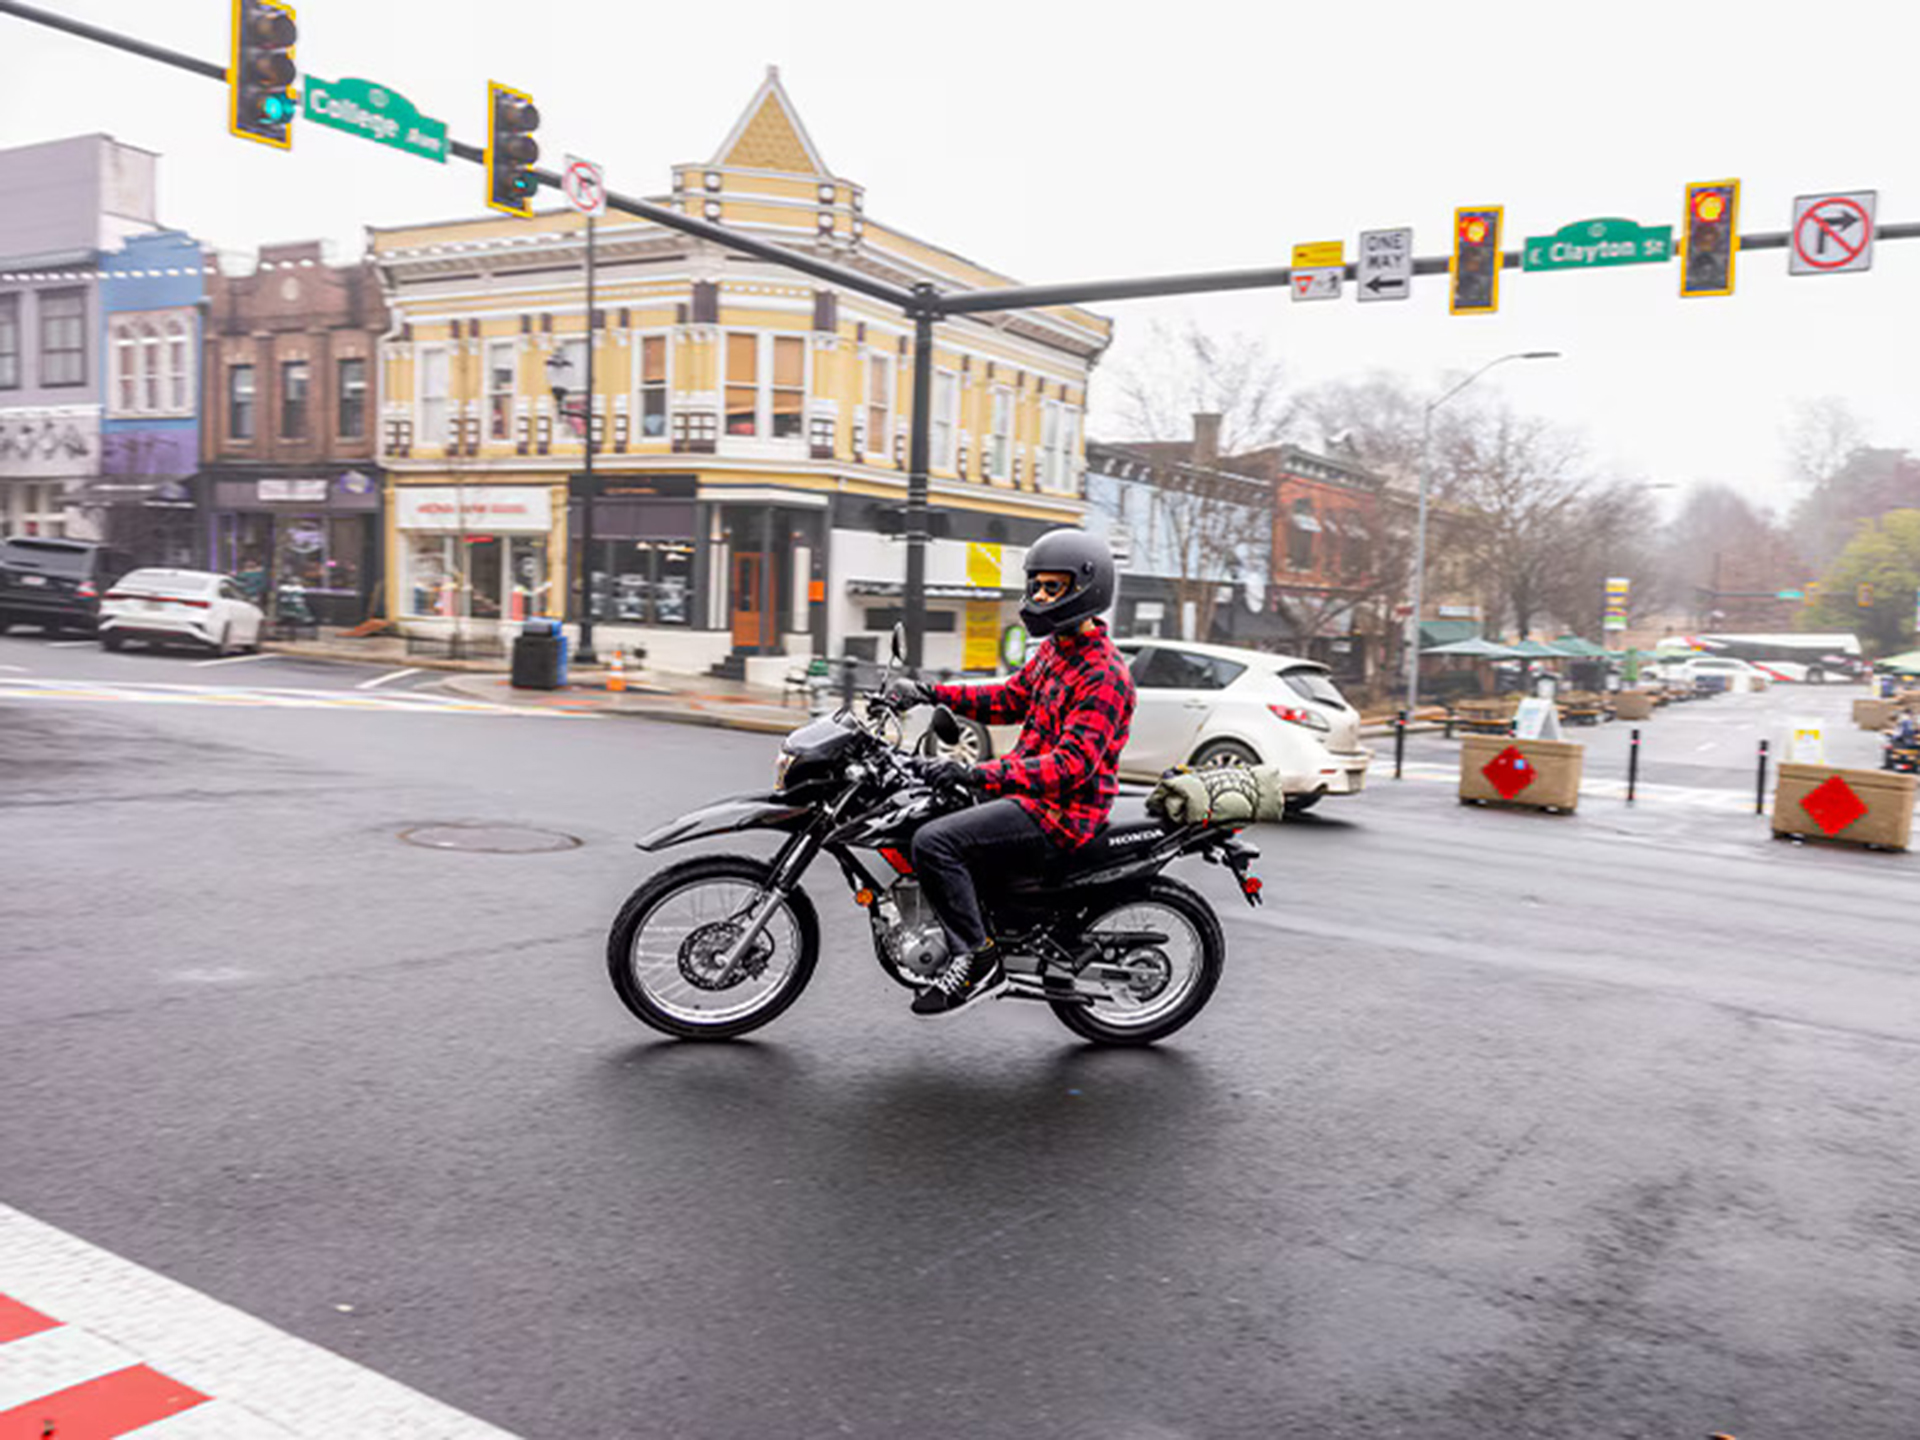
750	618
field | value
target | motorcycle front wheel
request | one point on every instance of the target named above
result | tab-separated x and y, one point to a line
1167	982
667	951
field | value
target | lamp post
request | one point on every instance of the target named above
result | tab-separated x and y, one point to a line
559	373
1420	530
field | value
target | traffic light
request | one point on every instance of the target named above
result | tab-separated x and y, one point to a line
511	150
1863	597
260	83
1476	261
1713	235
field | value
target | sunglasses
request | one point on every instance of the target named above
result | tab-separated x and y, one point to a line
1048	587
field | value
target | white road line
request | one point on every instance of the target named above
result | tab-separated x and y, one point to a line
14	669
218	1350
229	660
387	679
55	1360
69	644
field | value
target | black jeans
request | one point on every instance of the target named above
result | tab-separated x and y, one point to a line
956	852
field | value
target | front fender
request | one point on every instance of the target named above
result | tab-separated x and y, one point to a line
740	812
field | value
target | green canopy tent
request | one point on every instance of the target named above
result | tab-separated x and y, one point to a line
1539	650
1582	649
1477	647
1473	674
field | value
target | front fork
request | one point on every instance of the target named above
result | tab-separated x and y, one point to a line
788	866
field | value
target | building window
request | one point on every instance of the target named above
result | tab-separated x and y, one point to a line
643	582
946	397
789	386
1059	432
150	376
433	397
63	338
126	369
353	400
653	387
501	384
240	402
482	577
743	387
179	374
1300	532
9	342
1000	434
879	402
293	399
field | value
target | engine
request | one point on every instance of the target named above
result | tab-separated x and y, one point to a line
910	934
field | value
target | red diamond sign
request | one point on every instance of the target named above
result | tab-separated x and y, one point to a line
1510	772
1833	805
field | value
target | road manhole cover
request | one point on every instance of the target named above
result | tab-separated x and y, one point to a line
489	839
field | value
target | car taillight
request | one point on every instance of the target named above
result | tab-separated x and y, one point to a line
1295	715
196	604
87	590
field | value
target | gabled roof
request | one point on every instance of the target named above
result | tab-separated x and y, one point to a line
769	136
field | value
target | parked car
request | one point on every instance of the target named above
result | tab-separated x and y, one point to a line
1201	703
56	584
1721	672
180	607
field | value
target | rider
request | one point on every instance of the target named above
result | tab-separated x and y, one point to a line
1055	786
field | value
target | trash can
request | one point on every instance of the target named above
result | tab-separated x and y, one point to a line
540	655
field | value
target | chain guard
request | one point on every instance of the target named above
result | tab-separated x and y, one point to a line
703	950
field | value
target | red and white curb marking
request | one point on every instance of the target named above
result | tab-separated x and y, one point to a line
93	1346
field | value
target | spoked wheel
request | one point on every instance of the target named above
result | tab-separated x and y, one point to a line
667	953
1156	984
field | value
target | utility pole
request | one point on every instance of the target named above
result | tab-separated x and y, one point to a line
587	656
919	458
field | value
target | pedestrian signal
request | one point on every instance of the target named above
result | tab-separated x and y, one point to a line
1712	238
511	150
260	82
1476	263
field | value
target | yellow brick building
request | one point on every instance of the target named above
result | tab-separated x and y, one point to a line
751	423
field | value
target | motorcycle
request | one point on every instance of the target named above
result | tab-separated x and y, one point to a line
715	946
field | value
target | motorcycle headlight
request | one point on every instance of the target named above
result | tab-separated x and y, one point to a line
780	768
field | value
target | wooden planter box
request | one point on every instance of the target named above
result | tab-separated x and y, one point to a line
1875	714
1555	766
1633	705
1886	824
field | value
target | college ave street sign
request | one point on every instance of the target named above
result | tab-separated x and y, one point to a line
1588	244
384	116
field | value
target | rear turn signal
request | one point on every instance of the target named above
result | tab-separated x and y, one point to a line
864	899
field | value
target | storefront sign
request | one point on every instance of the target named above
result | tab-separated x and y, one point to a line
305	492
479	509
982	648
637	487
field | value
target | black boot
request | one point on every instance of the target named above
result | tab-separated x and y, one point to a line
969	976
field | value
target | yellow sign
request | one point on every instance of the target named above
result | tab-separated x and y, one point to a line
982	648
983	565
1319	253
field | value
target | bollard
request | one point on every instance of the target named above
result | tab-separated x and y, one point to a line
846	682
1399	741
1760	785
1633	765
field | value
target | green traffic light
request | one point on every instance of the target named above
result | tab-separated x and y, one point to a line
277	109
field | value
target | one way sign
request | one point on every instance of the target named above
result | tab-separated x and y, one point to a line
1386	264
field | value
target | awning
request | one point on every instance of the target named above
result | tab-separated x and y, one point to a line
897	590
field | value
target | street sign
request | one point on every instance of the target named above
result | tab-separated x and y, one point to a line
585	186
1320	283
1806	742
1386	264
1320	253
1590	244
1832	234
375	113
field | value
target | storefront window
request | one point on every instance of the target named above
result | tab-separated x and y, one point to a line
430	587
643	582
529	591
478	577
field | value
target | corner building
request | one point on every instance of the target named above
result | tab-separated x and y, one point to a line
750	425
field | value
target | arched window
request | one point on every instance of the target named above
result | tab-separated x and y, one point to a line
179	386
125	367
149	369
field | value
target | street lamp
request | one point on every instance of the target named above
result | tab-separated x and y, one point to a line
1420	531
559	378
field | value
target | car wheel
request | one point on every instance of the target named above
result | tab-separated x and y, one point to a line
113	640
1225	752
1816	677
973	746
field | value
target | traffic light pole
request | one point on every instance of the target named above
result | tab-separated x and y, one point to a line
587	655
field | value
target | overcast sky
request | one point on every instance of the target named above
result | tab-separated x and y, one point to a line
1058	141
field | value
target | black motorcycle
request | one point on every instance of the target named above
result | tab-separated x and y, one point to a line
713	947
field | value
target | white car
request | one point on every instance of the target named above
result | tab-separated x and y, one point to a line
180	607
1737	675
1197	703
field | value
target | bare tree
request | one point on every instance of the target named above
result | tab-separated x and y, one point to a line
1188	372
1215	526
1819	437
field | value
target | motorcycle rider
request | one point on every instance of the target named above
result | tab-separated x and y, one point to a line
1055	787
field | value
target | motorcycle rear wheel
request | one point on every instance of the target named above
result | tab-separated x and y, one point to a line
1193	956
672	931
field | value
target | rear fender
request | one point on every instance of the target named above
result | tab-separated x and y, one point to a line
723	817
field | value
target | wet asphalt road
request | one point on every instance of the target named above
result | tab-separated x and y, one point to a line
1500	1124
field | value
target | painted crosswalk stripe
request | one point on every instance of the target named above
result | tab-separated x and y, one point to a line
260	697
387	679
120	1350
230	660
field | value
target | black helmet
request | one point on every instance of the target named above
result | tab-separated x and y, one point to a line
1088	560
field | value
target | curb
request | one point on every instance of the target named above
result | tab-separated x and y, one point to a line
487	687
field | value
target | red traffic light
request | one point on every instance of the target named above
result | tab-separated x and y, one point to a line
1473	229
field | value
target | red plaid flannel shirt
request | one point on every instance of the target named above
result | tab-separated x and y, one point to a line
1076	697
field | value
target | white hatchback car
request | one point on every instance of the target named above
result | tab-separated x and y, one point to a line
1196	703
180	607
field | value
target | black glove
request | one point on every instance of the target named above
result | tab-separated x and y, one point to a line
905	693
944	774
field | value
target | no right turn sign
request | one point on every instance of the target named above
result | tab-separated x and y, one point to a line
1832	233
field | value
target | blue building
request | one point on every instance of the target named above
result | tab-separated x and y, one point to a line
152	304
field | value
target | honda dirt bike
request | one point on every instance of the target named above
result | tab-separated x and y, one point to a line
715	946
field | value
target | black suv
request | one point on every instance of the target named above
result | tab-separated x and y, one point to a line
56	584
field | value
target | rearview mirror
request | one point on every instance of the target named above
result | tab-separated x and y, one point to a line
945	728
898	645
